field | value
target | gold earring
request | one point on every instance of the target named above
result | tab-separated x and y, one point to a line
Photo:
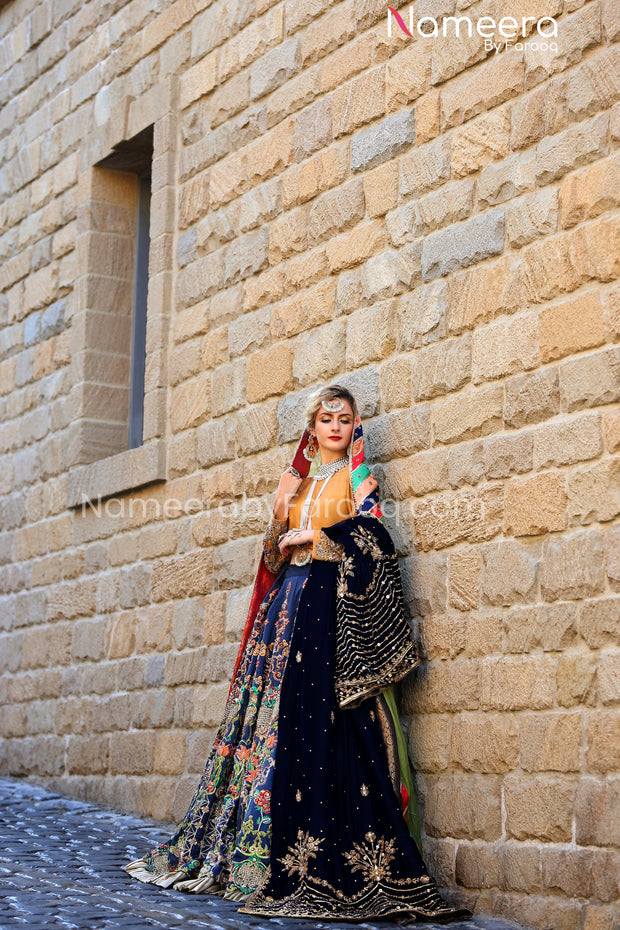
311	449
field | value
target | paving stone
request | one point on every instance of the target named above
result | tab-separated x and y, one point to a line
66	871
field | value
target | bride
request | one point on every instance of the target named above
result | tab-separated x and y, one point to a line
306	805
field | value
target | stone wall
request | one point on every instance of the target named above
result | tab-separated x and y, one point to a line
434	224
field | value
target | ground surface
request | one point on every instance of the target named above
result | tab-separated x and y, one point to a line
61	866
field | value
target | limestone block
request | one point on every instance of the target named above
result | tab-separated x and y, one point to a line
564	443
200	279
65	601
550	742
305	269
463	806
256	428
429	743
425	168
369	334
274	68
261	204
270	371
198	80
270	154
358	101
551	627
464	244
320	354
567	150
477	865
396	386
587	94
313	129
441	637
185	361
74	715
449	518
483	140
383	141
399	434
246	256
132	753
594	493
191	402
41	288
288	235
322	172
170	753
122	636
153	632
613	557
576	680
539	808
464	578
532	216
480	293
87	755
509	572
588	193
354	56
535	505
517	682
485	743
505	455
381	189
571	326
506	180
591	381
598	622
424	582
572	566
229	387
336	210
215	443
88	640
182	576
603	727
483	88
352	248
484	635
421	315
408	74
470	413
304	310
596	808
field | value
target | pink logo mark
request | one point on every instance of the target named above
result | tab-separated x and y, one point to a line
400	21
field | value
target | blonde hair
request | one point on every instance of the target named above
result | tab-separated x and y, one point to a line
330	392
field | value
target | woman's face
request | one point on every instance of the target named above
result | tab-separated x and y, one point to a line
333	431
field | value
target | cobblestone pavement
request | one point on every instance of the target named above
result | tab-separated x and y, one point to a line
61	866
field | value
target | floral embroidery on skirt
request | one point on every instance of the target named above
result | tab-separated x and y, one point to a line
224	839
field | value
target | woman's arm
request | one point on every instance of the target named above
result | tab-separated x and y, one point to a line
274	554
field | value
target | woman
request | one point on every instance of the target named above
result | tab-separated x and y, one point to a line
325	827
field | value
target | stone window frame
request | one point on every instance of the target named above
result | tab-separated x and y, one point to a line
144	464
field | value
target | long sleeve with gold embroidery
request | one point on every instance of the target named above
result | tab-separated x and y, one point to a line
274	560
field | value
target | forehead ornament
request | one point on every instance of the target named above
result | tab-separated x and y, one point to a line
332	406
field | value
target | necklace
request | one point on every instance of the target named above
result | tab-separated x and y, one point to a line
327	469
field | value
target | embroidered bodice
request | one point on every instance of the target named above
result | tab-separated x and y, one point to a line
334	504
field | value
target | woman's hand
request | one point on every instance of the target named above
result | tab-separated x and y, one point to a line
287	489
294	538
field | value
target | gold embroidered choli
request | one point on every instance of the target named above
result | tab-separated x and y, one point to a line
334	504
